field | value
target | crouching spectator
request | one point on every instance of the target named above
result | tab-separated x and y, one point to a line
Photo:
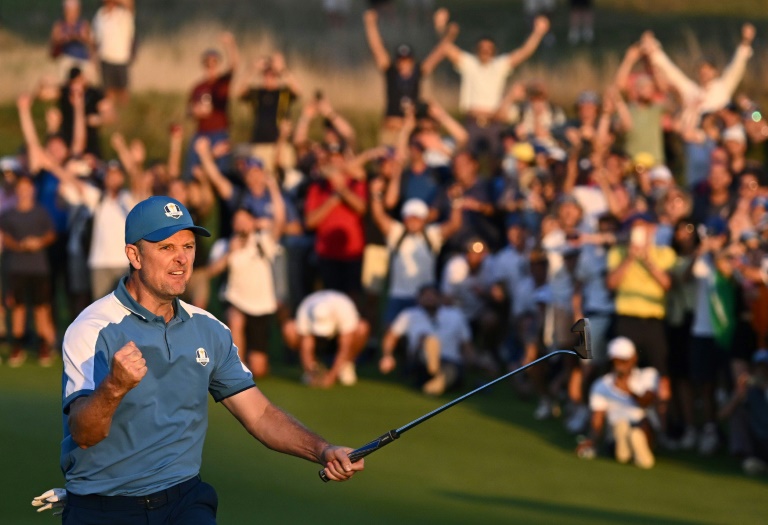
327	330
622	397
747	411
438	342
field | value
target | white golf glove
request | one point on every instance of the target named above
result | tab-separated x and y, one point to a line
52	499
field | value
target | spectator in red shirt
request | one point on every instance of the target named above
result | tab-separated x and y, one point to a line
208	103
334	209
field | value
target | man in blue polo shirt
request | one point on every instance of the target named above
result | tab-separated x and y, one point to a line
138	365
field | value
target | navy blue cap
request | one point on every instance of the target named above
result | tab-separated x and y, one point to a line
716	225
157	218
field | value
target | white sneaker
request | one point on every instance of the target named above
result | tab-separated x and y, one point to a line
688	439
348	374
621	433
754	466
578	420
709	440
641	451
543	411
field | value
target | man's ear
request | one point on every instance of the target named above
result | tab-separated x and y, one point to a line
134	256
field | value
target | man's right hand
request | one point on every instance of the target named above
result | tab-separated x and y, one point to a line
128	367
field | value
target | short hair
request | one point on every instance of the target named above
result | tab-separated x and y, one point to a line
484	38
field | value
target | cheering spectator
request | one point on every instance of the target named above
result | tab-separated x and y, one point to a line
483	76
621	399
114	35
438	342
714	89
247	256
27	232
638	272
413	247
403	75
271	99
208	103
327	329
334	209
71	40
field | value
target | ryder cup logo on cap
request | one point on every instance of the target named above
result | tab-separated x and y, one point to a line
173	211
157	218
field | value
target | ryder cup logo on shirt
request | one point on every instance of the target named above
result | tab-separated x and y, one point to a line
202	356
173	211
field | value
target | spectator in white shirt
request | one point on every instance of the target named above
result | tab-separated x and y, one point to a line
113	33
621	398
483	77
249	290
438	342
327	326
413	246
714	89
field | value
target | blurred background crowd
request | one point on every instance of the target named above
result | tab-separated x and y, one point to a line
465	243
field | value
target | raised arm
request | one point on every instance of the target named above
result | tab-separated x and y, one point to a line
79	133
524	52
450	124
339	123
375	42
281	432
35	151
453	224
631	57
439	51
286	77
734	71
380	217
174	151
124	154
278	207
686	87
220	183
231	51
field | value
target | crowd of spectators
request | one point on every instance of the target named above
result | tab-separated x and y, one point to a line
461	245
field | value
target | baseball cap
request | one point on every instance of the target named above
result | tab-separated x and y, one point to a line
644	160
415	208
588	97
404	51
735	134
157	218
253	162
621	348
660	173
524	152
760	357
716	225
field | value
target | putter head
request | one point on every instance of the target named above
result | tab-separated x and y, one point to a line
583	347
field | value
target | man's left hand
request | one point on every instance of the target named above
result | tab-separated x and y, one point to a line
52	499
338	467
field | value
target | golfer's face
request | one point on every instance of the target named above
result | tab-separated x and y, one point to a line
166	266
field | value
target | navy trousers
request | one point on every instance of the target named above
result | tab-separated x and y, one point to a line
191	502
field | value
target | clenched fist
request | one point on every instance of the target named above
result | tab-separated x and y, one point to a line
128	367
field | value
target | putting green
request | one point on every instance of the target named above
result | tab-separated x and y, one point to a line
483	461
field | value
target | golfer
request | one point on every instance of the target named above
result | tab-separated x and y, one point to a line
138	364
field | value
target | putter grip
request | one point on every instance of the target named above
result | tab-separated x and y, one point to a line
366	449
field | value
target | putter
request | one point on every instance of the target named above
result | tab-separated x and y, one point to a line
582	349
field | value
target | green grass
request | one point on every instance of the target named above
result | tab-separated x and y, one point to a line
484	461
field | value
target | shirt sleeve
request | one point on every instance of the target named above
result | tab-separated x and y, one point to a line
396	231
303	324
434	233
400	325
465	63
230	376
85	363
597	401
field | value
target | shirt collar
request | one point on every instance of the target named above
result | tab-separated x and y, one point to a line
129	303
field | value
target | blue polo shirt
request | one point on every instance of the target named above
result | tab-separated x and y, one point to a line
157	433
